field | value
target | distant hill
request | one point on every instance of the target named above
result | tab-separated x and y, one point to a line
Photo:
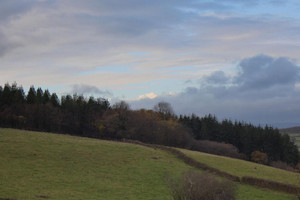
295	129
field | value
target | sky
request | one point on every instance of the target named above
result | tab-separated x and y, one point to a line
236	59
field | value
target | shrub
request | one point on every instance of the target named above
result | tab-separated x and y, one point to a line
259	157
297	167
217	148
282	165
194	186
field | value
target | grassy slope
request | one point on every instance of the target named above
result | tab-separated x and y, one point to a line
65	167
244	168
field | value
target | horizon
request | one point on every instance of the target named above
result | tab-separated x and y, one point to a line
234	59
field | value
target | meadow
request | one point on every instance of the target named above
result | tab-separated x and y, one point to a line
36	165
243	168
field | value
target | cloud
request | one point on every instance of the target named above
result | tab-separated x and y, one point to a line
263	91
150	95
89	34
88	89
217	77
10	9
6	45
262	71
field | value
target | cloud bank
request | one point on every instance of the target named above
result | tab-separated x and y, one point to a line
54	42
265	90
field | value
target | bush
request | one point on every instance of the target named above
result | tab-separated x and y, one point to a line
283	165
297	167
217	148
194	186
259	157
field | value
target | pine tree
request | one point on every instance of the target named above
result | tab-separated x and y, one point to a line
54	100
31	96
46	97
1	92
39	96
17	94
6	95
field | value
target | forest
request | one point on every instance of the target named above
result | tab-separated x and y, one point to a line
75	114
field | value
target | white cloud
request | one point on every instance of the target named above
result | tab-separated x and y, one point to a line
150	95
172	93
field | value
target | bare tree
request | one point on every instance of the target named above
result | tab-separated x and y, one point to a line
164	108
122	105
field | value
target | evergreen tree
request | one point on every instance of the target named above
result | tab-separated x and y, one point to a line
54	100
67	102
39	96
46	97
17	94
31	96
1	92
6	95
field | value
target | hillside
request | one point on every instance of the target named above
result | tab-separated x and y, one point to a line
242	168
49	166
92	117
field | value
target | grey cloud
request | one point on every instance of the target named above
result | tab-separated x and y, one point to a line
217	77
126	26
264	71
11	8
188	81
133	18
89	90
6	45
259	77
263	92
143	24
160	22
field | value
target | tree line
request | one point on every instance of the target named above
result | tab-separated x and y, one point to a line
42	111
94	117
245	136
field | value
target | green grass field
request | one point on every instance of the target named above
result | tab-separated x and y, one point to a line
244	168
49	166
